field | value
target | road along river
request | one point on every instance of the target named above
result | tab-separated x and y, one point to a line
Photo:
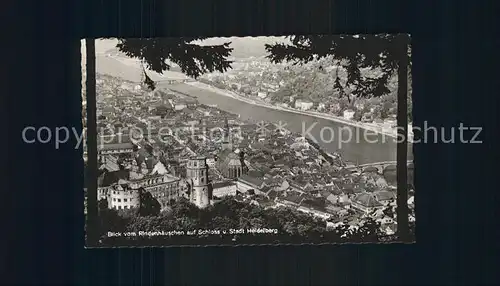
355	144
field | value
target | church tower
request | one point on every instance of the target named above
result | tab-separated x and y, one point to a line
226	142
197	176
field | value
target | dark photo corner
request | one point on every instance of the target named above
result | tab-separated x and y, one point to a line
453	66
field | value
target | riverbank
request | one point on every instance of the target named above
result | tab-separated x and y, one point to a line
133	64
378	129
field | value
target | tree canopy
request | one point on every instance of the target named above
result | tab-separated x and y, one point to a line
351	52
292	225
193	59
149	205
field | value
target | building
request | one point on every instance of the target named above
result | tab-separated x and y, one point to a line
176	169
174	81
200	192
122	196
211	162
247	182
122	188
107	111
179	104
335	107
367	117
317	213
163	108
106	179
385	197
190	102
224	189
230	164
162	93
263	202
291	199
161	187
366	202
348	114
114	145
390	123
373	178
301	187
303	105
359	105
390	174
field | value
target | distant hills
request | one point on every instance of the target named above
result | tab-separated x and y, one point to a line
130	70
243	47
121	66
246	47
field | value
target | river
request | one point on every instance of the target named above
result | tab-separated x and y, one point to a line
363	147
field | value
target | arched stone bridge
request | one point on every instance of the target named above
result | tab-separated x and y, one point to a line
174	81
379	165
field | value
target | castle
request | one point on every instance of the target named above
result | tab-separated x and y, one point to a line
121	188
200	189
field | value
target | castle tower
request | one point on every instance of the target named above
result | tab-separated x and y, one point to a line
197	176
226	142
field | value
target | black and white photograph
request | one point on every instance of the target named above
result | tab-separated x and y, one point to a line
248	140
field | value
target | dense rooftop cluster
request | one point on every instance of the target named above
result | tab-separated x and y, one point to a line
161	130
308	87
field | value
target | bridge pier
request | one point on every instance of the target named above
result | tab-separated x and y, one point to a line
380	165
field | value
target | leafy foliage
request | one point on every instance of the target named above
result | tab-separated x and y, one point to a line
292	225
351	52
149	205
193	59
109	219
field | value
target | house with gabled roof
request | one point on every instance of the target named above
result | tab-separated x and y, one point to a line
389	229
385	196
302	187
284	185
366	203
223	189
114	144
315	212
291	198
263	202
248	182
